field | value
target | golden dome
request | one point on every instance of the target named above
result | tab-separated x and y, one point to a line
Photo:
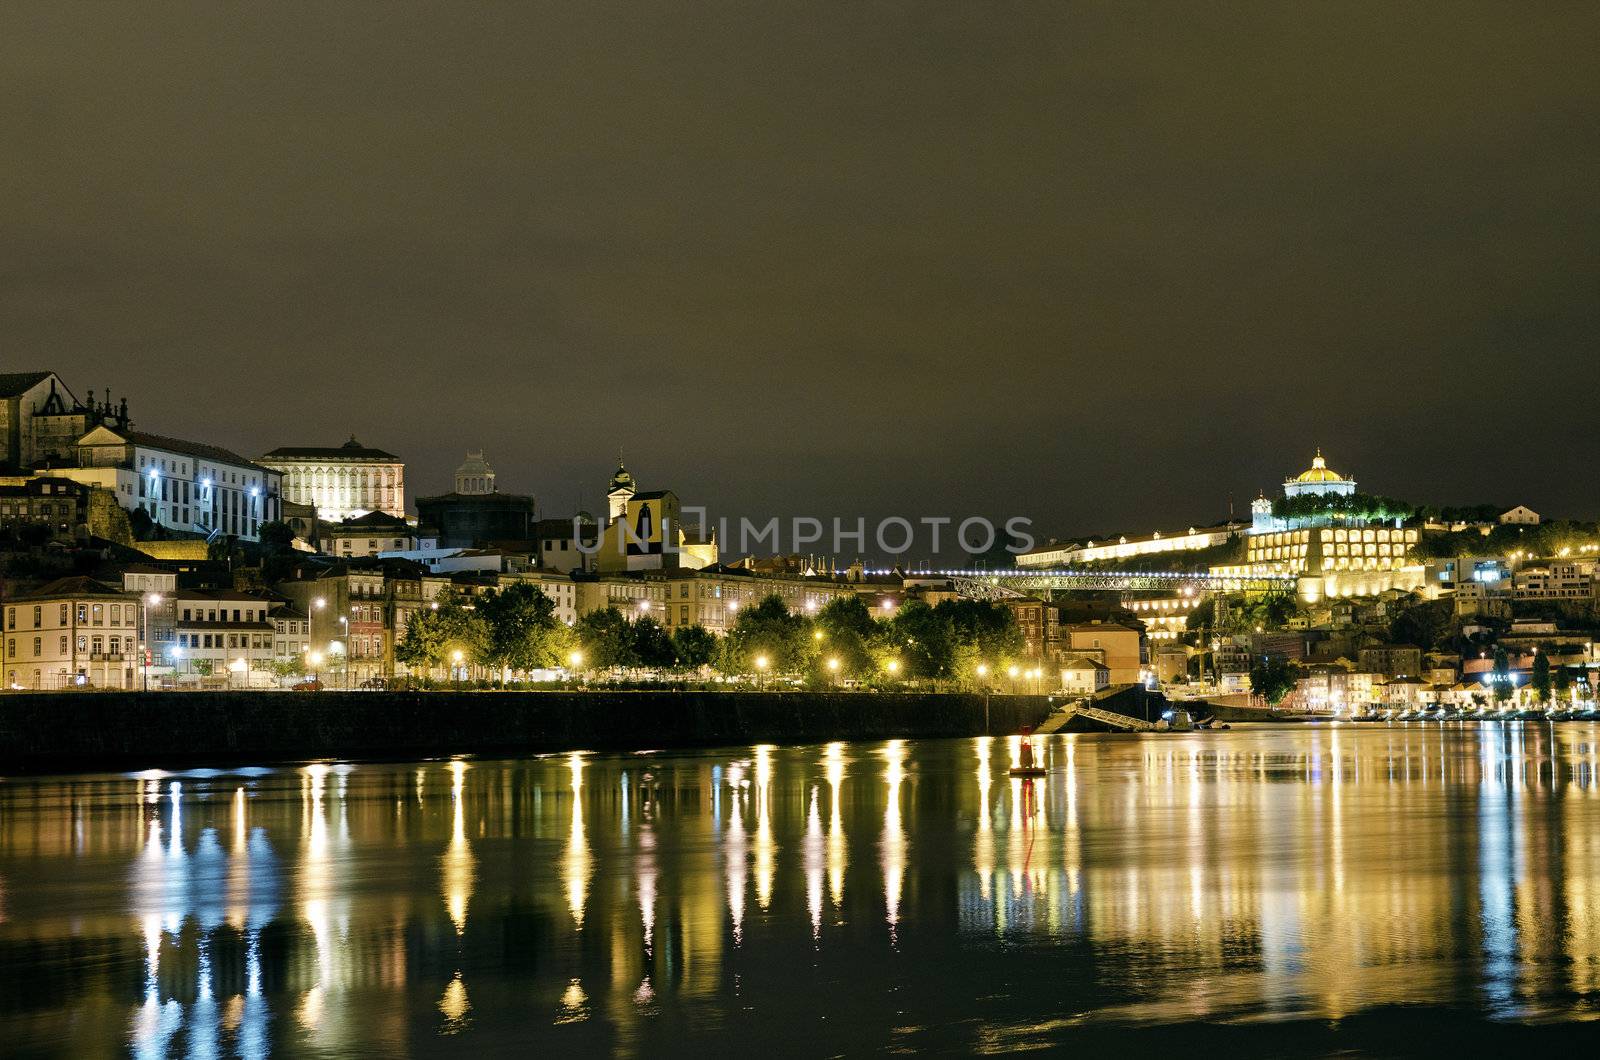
1319	471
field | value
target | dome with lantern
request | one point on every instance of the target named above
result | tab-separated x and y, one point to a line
1320	479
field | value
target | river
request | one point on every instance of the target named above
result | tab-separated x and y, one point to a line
1289	889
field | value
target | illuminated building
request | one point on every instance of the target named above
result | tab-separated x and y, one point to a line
224	638
341	481
72	633
1191	540
187	486
646	531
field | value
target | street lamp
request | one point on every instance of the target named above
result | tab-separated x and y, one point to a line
761	670
455	658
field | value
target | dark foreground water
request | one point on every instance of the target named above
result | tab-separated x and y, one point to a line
1268	891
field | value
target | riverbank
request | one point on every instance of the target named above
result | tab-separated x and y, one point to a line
44	732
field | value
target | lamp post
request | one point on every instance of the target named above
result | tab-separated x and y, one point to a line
455	659
575	661
177	660
833	671
314	659
761	671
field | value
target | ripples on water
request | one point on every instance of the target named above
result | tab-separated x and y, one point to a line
1337	886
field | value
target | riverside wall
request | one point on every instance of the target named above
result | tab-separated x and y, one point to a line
64	731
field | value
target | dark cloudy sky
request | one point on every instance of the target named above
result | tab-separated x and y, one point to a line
1099	264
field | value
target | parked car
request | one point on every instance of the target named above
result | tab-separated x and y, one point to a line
310	684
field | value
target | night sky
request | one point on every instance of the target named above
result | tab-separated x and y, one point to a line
1100	265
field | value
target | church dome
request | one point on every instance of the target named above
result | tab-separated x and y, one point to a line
1319	471
622	480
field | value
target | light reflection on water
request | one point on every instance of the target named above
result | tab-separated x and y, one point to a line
864	896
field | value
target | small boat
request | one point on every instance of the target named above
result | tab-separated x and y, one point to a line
1027	771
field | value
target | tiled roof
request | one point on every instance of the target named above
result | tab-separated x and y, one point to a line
196	449
13	384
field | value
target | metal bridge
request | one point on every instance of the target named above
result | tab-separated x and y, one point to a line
1001	584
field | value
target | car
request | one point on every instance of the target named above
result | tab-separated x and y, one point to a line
310	684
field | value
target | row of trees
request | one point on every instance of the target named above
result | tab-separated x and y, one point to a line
943	643
514	630
1362	507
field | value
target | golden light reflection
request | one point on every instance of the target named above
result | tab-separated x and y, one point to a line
454	1006
836	842
457	863
576	862
766	847
735	852
815	864
574	1004
892	845
1296	872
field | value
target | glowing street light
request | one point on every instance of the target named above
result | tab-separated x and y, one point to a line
894	666
455	659
575	659
833	664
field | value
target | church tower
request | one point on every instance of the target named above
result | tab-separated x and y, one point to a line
475	477
622	490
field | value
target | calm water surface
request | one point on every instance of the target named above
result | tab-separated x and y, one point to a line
1289	889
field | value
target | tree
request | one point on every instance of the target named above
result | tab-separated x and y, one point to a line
1272	679
1541	677
651	645
606	639
694	646
1563	684
989	628
923	640
522	629
426	640
1503	688
849	634
768	631
293	666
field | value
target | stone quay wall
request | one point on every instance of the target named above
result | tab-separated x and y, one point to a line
63	731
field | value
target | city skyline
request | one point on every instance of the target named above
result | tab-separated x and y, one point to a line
777	261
